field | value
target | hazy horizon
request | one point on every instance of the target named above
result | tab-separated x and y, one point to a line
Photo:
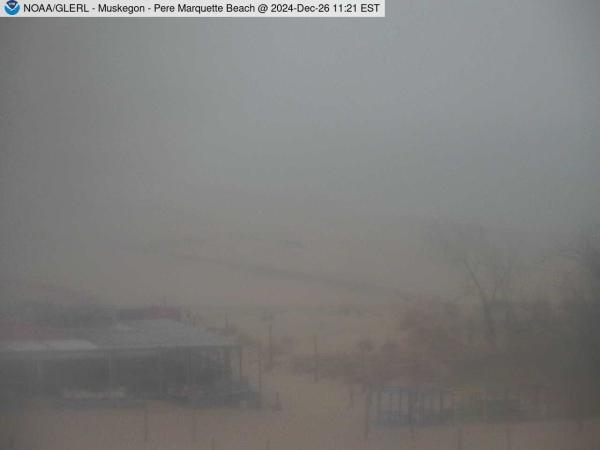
241	160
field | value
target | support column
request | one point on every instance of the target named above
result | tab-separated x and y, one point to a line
188	367
270	347
38	377
227	363
367	423
111	371
442	405
316	358
260	368
400	410
378	405
410	406
240	363
160	360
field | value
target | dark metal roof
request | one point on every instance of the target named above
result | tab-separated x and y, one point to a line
47	345
146	334
154	333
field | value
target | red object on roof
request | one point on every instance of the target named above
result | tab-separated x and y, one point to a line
17	331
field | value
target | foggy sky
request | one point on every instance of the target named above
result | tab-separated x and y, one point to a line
226	160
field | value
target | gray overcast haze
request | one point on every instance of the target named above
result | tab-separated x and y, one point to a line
250	160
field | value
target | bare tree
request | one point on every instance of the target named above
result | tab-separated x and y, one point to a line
487	269
586	252
581	297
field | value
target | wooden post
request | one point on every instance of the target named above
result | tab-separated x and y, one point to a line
507	434
316	358
400	405
485	406
146	430
111	372
459	435
278	406
454	408
188	367
260	376
421	400
378	405
240	363
270	347
160	363
194	425
227	363
367	422
38	382
543	408
410	398
459	439
441	413
432	404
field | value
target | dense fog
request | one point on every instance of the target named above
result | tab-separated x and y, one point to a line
359	205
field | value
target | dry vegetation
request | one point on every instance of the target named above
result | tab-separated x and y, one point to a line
319	363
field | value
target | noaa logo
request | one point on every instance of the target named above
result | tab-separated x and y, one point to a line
12	7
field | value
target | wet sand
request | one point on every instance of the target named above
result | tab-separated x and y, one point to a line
315	415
